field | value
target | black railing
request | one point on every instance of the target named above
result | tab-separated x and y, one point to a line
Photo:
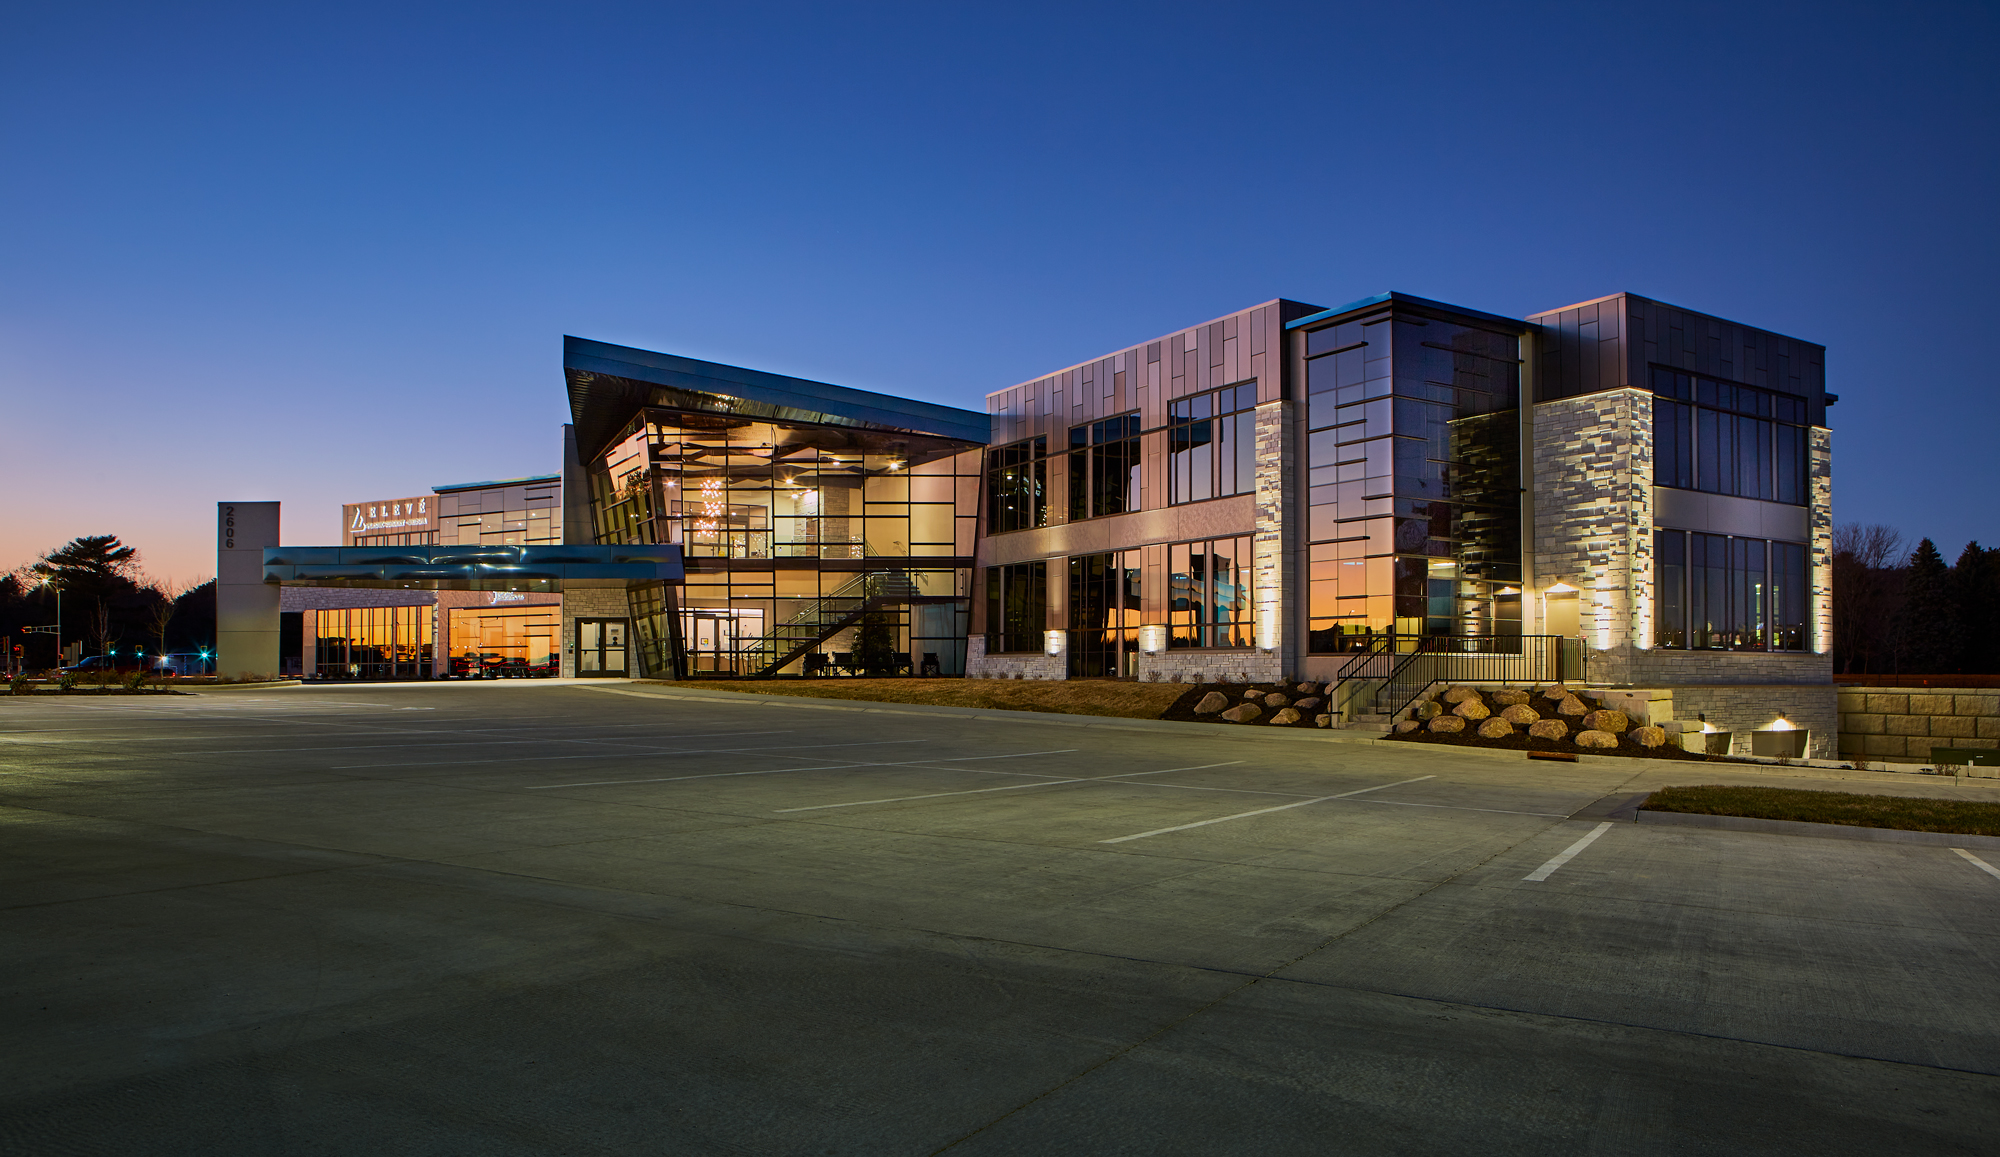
1476	659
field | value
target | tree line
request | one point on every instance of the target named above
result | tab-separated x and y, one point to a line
1899	610
107	601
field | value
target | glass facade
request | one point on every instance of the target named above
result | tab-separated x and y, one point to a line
1211	593
1212	444
1017	485
1017	607
1104	613
1724	438
1413	479
1720	592
506	637
1104	468
521	512
373	642
788	530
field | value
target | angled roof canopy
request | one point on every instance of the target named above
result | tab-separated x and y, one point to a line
610	383
472	568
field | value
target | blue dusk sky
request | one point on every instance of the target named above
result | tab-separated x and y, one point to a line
327	252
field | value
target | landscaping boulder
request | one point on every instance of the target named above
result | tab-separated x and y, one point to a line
1243	713
1327	721
1429	710
1286	717
1212	703
1520	714
1571	705
1461	695
1615	722
1509	698
1308	703
1596	739
1307	688
1446	724
1557	693
1403	728
1471	709
1275	700
1548	729
1253	695
1495	728
1649	736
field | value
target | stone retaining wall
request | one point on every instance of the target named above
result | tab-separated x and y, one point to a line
1013	664
1898	725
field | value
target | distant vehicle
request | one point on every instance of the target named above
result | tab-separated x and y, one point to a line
98	664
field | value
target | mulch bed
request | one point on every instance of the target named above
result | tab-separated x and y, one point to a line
1522	741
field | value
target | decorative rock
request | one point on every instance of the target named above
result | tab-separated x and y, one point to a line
1446	724
1211	703
1286	717
1243	713
1429	710
1495	728
1649	736
1596	739
1548	729
1461	695
1253	695
1557	692
1603	720
1471	709
1307	688
1403	728
1520	714
1571	705
1327	721
1276	700
1508	698
1308	703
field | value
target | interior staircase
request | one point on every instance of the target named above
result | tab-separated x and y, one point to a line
827	616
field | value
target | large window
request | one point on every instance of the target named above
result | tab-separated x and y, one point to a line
1104	468
1104	613
1728	439
1016	607
1719	592
1017	486
1212	444
1210	593
373	642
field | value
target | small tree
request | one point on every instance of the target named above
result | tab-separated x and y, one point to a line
1930	630
161	614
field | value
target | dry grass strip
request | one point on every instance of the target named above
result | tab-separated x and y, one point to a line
1907	813
1116	699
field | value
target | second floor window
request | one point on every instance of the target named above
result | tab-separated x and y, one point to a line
1104	468
1017	478
1728	439
1212	444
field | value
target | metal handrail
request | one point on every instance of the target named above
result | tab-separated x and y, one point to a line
1469	659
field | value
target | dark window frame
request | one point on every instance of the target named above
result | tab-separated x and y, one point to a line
1017	602
1719	592
1721	437
1210	446
1104	462
1017	486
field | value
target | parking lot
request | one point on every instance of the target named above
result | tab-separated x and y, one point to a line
526	918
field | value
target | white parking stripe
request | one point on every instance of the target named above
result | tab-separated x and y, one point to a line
1009	787
1982	865
1261	811
638	753
830	766
1564	856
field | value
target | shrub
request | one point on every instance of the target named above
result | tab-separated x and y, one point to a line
19	684
66	684
138	682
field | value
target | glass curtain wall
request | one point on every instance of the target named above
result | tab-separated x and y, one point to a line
1413	480
374	642
1104	614
1728	439
788	530
1210	592
1718	592
1016	607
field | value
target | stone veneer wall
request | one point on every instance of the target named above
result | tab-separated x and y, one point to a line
1592	471
1212	667
1275	564
1744	708
595	603
1898	724
1012	665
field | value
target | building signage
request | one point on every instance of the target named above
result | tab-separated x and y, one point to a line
497	597
396	516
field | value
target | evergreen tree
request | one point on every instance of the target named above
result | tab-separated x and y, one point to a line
1930	631
1975	585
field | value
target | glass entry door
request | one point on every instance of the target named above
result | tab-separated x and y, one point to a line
600	648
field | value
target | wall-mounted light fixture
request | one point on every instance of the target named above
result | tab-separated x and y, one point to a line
1153	638
1561	588
1054	642
1508	591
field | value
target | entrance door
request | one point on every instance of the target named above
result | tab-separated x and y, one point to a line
600	648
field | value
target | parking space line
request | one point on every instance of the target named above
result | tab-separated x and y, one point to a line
634	754
1567	854
1982	865
1008	787
1260	811
840	765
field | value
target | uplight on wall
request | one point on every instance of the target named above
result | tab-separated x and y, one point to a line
1267	629
1153	638
1561	589
1055	642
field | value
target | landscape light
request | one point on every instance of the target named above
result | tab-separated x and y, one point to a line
1562	588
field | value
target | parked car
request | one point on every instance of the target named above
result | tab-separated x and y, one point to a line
98	664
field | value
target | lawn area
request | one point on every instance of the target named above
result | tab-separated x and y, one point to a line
1110	697
1959	817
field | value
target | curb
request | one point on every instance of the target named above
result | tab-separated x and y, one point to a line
1815	831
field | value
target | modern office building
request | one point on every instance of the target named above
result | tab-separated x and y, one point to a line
1270	494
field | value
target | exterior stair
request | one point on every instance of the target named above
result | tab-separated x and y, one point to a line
1371	721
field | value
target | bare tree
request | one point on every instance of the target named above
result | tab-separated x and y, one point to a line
1867	580
161	614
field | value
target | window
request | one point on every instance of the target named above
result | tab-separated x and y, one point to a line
1212	444
1104	468
1728	439
1210	593
1017	486
1719	592
1016	607
1104	613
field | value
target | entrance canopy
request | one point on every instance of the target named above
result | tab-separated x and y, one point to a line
473	568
